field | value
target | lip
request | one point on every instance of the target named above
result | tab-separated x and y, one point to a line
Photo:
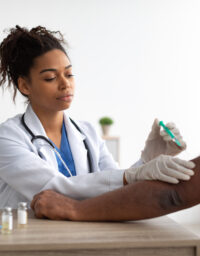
66	97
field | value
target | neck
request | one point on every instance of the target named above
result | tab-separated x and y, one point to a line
51	121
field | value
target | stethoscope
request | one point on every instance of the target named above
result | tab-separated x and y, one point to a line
36	137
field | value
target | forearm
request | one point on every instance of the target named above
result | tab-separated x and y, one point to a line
141	200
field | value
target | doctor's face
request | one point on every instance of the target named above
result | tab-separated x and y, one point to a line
51	85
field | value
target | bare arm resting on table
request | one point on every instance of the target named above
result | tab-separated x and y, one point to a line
141	200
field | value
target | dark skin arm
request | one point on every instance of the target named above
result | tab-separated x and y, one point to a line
141	200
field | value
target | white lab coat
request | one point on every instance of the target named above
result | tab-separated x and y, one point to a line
23	173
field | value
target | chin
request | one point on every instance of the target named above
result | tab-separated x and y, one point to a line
65	106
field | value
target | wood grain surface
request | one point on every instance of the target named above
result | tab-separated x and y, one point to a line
159	236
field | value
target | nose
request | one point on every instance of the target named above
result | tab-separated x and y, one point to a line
64	83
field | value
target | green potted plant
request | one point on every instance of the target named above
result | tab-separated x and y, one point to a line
105	123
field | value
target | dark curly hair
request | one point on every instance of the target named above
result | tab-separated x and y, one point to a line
19	49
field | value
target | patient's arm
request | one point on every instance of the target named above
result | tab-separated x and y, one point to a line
141	200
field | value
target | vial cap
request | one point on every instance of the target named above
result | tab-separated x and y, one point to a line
22	204
8	209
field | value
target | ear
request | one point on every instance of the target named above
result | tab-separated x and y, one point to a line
23	86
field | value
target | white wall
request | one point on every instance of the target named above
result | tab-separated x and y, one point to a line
134	60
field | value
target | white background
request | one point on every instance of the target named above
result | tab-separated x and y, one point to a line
133	60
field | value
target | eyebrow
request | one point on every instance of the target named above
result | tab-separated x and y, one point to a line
53	69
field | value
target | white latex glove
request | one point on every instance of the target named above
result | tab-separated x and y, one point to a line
163	168
159	142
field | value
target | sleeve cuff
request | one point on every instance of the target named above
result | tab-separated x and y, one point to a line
116	179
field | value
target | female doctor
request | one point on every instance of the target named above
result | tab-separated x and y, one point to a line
45	149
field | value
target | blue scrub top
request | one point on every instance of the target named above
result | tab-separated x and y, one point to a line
66	154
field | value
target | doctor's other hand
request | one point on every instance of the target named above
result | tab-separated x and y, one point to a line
163	168
159	142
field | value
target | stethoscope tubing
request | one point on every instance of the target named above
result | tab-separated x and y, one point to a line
35	137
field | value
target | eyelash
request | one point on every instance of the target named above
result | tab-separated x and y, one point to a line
51	79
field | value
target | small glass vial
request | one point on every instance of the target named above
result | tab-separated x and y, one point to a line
7	220
22	214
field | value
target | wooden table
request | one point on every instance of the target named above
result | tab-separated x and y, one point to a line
194	227
159	236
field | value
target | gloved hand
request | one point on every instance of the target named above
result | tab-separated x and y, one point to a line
163	168
159	142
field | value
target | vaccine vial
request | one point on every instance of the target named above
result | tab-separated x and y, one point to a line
7	220
22	214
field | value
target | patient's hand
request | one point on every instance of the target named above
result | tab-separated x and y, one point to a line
53	205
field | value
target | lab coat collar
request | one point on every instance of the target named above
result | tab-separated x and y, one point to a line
72	130
33	122
43	148
77	147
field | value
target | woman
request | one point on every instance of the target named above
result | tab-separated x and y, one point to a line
45	149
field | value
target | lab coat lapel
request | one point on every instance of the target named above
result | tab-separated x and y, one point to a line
43	148
78	149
